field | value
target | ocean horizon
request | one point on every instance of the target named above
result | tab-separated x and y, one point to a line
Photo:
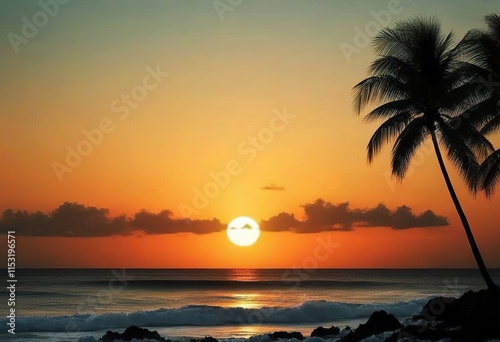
229	304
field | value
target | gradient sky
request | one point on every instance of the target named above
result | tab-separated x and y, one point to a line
229	73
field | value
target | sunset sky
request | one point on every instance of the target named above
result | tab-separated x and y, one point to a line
144	105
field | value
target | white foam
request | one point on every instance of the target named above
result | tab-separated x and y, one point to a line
313	312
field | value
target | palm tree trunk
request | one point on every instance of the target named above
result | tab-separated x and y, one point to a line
472	242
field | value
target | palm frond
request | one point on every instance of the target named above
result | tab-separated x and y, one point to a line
406	145
460	154
493	124
390	109
490	173
465	96
389	130
443	47
479	114
392	42
493	22
480	48
378	89
476	141
392	66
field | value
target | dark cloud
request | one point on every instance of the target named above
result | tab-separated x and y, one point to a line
76	220
70	219
279	223
324	216
163	223
272	186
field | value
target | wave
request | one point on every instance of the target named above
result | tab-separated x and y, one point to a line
310	312
225	284
256	338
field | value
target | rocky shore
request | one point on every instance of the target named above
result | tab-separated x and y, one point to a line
475	316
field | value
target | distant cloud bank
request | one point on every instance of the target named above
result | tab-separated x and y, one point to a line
324	216
76	220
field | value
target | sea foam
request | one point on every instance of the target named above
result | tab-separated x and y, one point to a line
310	312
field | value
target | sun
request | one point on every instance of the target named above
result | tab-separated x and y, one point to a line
243	231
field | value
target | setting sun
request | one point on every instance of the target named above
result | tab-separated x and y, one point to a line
243	231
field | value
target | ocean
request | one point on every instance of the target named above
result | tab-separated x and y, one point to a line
229	304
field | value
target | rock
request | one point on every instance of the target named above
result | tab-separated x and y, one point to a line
415	332
477	313
347	330
379	321
204	339
435	309
141	334
321	332
110	336
130	333
286	335
472	317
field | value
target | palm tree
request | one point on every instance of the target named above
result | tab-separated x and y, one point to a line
482	49
417	79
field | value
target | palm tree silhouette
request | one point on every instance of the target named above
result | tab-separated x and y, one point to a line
420	83
482	48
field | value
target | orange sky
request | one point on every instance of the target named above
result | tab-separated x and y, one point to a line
226	81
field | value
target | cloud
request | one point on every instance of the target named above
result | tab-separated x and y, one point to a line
77	220
273	187
69	219
279	223
324	216
163	223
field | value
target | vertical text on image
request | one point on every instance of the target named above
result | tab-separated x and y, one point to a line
11	281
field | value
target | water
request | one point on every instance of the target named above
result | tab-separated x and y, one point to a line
75	304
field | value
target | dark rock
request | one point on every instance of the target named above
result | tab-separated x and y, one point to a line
110	336
346	331
321	332
141	334
434	309
477	313
415	332
130	333
379	321
286	335
204	339
472	317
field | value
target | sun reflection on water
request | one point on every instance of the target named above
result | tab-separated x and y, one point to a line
243	275
246	300
246	331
